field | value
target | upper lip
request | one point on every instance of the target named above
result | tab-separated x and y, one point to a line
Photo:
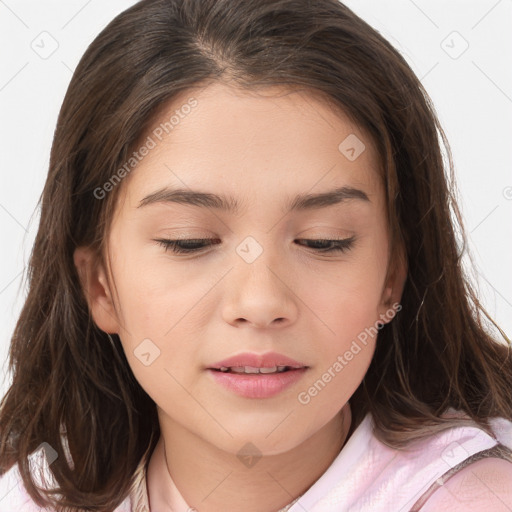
267	360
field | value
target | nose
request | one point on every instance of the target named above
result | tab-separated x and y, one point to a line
259	294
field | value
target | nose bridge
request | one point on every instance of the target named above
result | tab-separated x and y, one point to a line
257	260
258	293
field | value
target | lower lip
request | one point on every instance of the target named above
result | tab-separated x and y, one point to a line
258	385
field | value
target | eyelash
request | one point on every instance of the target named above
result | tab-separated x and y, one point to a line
338	245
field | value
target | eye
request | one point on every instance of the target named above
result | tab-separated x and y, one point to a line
192	245
338	245
186	245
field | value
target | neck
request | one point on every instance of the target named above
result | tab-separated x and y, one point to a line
210	479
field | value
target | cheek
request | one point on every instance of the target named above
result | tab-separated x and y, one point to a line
154	291
336	377
350	331
345	311
163	309
347	298
346	339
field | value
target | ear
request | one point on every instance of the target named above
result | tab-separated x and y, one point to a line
393	289
93	279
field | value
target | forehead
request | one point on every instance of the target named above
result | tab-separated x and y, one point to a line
272	141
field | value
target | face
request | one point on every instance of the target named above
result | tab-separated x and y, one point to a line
288	270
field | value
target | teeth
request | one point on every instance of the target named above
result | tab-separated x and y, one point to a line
238	369
252	369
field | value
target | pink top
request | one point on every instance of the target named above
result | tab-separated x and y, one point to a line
366	475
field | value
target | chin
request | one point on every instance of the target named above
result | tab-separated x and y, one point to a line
264	441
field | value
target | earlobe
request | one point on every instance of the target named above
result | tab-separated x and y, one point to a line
96	289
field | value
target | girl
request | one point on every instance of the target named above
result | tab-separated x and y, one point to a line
246	291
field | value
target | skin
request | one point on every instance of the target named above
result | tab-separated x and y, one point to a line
263	149
484	483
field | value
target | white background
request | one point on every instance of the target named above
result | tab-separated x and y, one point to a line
472	95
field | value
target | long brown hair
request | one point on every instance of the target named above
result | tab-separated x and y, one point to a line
68	378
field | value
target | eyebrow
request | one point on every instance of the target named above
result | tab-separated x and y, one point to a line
230	204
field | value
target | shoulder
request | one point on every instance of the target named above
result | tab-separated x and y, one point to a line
13	494
486	483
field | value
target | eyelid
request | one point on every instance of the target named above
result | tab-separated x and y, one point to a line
338	245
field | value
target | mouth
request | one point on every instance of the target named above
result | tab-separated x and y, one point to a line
252	370
257	382
254	363
253	375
